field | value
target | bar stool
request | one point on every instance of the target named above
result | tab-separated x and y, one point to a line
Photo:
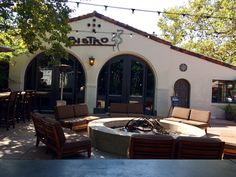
8	113
27	104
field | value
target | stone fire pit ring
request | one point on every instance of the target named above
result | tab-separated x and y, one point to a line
108	139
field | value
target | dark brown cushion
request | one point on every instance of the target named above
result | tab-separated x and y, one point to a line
59	130
81	110
39	124
64	112
118	108
136	108
73	122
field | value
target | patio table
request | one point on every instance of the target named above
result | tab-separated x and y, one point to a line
4	95
115	168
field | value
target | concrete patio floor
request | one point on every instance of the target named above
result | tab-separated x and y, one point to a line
19	143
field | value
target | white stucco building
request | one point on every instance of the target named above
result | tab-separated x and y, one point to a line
130	66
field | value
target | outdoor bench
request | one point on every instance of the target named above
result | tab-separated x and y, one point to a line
198	118
75	117
143	146
126	110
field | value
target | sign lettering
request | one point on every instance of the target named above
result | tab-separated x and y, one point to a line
90	40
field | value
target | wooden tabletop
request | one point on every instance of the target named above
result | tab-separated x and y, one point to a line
118	168
4	94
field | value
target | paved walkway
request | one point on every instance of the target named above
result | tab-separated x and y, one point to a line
19	143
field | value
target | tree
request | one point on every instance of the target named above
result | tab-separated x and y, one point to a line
203	26
31	25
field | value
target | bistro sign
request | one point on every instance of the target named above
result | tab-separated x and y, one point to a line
115	41
90	40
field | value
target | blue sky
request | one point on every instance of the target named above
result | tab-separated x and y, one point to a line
142	20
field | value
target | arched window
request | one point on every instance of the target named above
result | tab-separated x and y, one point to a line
44	77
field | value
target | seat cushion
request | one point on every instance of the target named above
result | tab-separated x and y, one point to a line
196	123
81	110
179	112
77	145
64	112
136	108
174	119
90	118
73	122
135	115
118	108
199	115
118	114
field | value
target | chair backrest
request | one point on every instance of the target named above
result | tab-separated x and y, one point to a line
39	125
200	115
180	112
151	147
136	108
118	108
12	104
199	148
54	134
81	110
63	112
12	97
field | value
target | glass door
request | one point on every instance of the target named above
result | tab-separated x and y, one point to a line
125	79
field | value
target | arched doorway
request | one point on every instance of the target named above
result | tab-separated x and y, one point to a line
126	79
44	77
182	90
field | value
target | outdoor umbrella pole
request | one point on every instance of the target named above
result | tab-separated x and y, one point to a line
62	84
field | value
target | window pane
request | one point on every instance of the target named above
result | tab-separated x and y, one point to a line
116	77
136	87
102	81
223	91
150	83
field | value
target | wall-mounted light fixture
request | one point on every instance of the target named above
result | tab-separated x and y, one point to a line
91	61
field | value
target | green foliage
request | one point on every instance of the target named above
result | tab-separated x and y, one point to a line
31	25
213	37
228	109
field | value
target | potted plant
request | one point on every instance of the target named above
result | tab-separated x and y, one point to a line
229	112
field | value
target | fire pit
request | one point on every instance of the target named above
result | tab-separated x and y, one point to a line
112	134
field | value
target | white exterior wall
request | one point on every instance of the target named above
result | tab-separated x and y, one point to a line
161	58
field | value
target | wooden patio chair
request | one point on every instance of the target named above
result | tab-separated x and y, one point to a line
55	140
151	147
39	126
9	109
199	148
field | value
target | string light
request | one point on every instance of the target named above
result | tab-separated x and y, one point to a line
152	11
105	8
102	32
133	11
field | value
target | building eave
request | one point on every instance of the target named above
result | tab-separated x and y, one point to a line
152	37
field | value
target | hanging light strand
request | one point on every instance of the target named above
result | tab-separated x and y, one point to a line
101	32
151	11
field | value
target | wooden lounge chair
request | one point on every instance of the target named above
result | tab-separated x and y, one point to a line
39	128
151	147
199	148
50	132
